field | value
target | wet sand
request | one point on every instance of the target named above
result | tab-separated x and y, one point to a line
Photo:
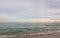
53	35
36	35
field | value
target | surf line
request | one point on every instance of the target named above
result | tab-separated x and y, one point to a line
43	33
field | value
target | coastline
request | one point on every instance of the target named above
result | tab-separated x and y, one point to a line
31	34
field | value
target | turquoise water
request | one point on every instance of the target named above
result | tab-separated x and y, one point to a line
21	28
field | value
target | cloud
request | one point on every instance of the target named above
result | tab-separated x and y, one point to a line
6	18
19	9
15	4
54	4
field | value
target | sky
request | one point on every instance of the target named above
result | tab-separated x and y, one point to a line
29	10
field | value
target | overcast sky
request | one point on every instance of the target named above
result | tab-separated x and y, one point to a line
29	9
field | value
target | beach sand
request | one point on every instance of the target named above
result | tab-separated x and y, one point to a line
52	35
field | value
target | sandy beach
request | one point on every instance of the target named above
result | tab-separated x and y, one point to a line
49	34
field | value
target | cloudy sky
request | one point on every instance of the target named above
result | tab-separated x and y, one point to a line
15	10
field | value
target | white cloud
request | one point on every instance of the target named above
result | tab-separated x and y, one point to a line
5	17
15	4
39	8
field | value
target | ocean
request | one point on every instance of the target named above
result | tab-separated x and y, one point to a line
21	28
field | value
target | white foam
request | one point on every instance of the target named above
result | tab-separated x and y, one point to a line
57	31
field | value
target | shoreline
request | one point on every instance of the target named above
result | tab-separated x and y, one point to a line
31	34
